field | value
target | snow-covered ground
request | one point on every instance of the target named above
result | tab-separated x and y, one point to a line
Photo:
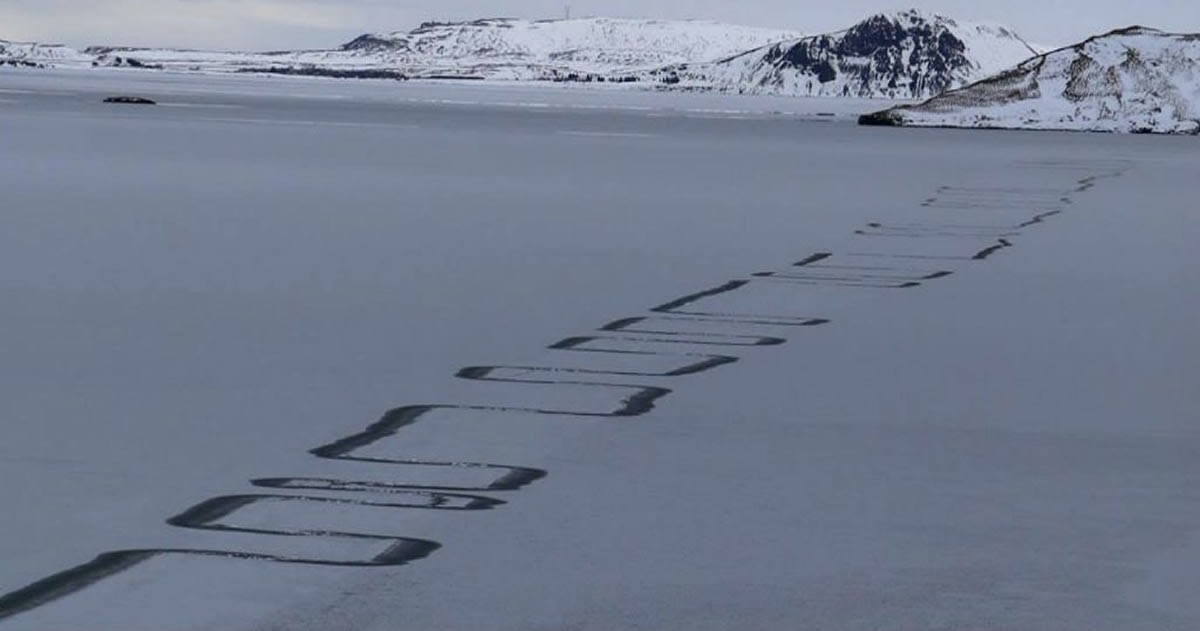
952	387
1132	80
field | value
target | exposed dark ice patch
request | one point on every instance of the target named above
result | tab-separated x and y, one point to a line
1039	218
986	252
516	478
827	282
677	307
674	305
695	362
943	231
814	259
666	330
400	552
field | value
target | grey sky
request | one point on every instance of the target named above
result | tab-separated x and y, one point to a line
273	24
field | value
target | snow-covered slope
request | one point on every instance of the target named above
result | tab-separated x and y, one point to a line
1131	80
190	59
909	55
33	54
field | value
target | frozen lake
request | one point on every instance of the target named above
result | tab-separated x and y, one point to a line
959	394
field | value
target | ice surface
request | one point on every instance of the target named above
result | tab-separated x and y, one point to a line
224	300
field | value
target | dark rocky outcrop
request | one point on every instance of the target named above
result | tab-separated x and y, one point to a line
117	61
880	119
130	100
312	71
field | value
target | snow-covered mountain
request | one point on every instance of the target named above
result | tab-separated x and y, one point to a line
498	48
590	45
906	55
1131	80
32	54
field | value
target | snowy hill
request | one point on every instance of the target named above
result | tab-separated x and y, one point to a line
1131	80
32	54
905	55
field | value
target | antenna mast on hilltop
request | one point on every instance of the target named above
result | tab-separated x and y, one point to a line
567	11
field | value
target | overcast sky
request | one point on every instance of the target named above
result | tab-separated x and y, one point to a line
276	24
